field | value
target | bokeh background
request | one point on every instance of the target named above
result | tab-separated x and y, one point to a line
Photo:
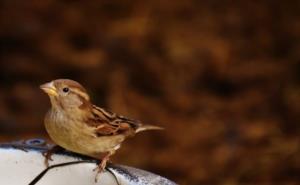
223	78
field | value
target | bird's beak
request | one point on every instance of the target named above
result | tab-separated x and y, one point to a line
49	88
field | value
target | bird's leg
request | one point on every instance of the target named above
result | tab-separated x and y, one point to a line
48	153
101	166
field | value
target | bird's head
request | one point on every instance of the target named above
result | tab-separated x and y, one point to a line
66	94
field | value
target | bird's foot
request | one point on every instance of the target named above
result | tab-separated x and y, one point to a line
48	154
101	166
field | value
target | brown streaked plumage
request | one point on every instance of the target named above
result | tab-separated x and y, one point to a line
75	124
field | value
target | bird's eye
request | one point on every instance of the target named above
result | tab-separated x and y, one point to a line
66	89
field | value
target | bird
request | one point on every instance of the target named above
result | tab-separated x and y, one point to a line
77	125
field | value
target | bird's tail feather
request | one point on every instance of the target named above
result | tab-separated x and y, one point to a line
148	127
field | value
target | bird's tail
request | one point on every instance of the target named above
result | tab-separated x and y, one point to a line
148	127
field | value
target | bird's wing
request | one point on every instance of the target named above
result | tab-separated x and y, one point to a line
107	123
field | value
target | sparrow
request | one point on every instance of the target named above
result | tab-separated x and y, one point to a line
77	125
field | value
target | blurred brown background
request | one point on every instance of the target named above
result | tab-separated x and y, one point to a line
222	77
